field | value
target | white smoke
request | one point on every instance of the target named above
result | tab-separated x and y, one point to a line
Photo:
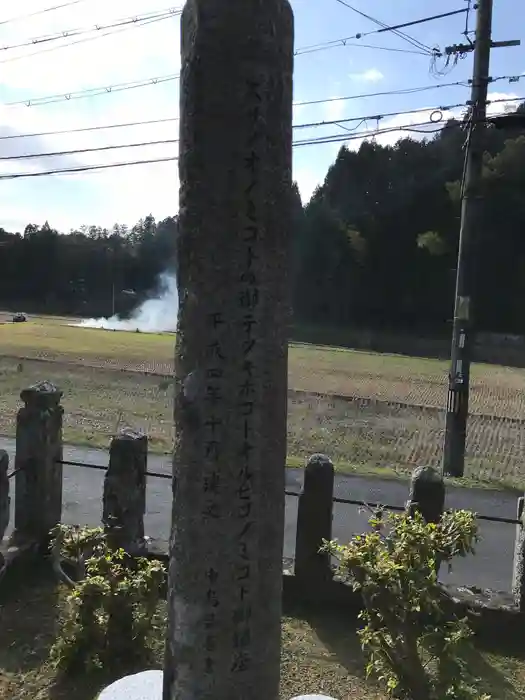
152	316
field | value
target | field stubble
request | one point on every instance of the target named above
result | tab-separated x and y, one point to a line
368	412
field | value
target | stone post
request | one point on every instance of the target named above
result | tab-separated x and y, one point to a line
235	157
124	498
427	494
5	500
38	485
518	570
314	521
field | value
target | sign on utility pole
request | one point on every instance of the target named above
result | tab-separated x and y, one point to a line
471	213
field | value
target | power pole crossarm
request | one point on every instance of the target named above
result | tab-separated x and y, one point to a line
467	48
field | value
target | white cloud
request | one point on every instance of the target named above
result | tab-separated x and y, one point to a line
502	102
334	109
372	75
126	55
426	121
308	180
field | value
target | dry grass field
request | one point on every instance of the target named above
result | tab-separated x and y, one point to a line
369	412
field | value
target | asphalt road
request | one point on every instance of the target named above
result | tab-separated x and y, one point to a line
490	567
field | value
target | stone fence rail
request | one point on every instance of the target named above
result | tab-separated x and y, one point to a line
38	495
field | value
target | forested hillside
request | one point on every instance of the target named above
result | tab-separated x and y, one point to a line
378	242
375	247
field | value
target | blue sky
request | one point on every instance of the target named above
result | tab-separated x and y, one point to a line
141	53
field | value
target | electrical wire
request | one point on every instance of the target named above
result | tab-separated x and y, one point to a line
467	22
92	92
345	42
66	33
119	87
165	159
451	59
20	18
165	120
163	142
411	40
101	34
401	91
323	140
393	28
145	19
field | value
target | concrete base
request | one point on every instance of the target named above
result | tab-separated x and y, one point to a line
146	685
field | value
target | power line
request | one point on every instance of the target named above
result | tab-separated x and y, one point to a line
101	127
110	32
401	91
85	168
395	27
335	138
66	33
345	42
165	120
416	128
119	87
92	92
340	138
165	159
402	35
40	12
164	142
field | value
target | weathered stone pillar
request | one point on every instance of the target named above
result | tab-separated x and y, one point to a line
314	521
124	499
225	577
427	494
518	570
38	485
4	493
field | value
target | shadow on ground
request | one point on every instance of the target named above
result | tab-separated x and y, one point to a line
30	603
497	668
321	651
500	665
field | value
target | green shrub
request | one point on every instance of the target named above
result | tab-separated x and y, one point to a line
413	641
109	612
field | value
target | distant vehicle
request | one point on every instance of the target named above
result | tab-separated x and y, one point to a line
19	318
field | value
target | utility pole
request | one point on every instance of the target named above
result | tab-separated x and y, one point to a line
471	213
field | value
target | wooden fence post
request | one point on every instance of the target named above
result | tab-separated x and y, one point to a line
124	499
314	521
38	485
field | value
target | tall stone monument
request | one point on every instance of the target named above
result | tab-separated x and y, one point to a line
225	572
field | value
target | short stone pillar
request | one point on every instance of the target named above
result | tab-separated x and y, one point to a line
518	569
427	494
314	521
38	485
5	501
124	499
